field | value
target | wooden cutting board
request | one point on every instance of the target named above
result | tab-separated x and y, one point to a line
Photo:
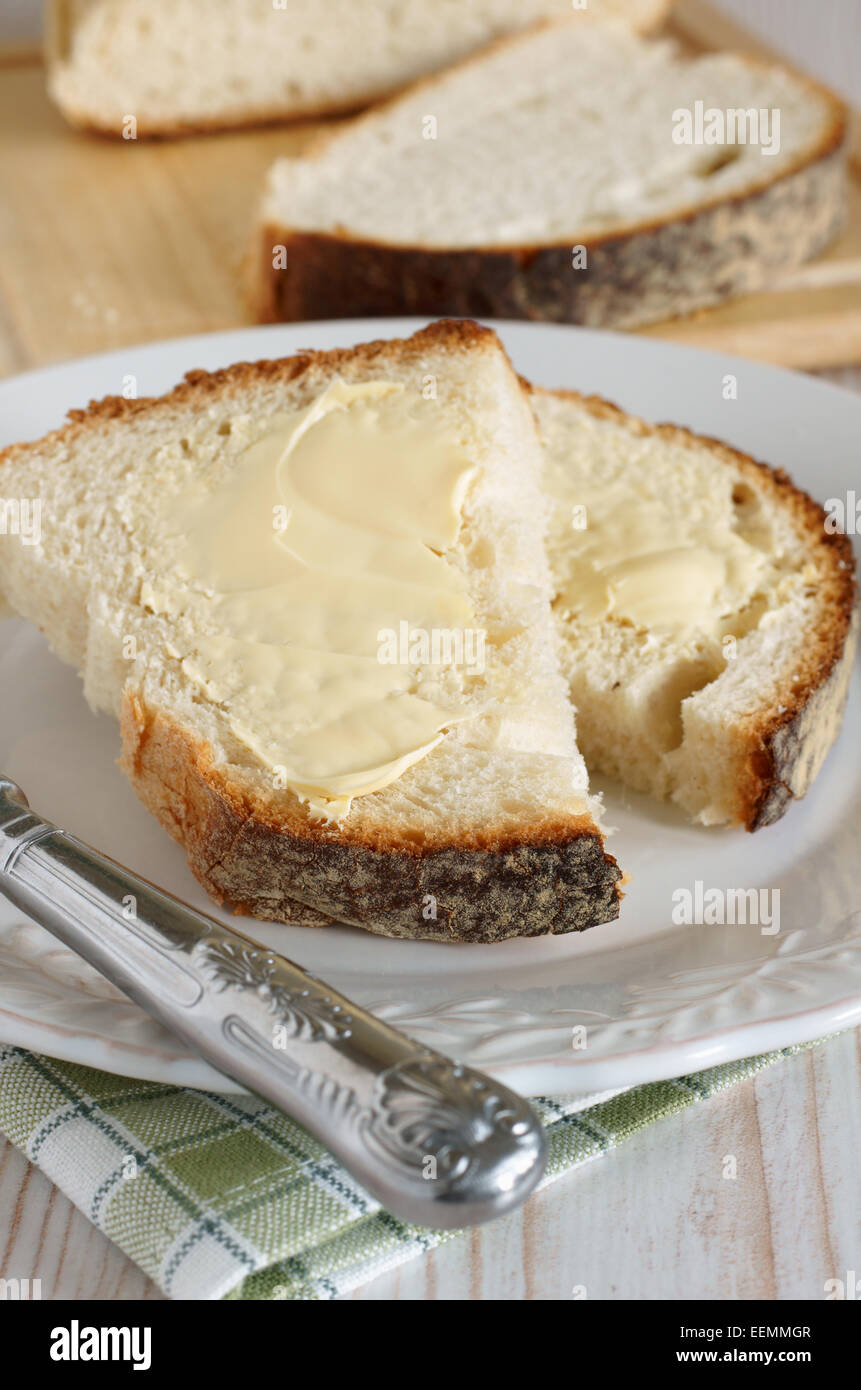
105	243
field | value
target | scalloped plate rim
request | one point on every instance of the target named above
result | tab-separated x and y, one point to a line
635	1066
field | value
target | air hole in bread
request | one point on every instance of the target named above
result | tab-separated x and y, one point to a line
415	837
751	520
684	680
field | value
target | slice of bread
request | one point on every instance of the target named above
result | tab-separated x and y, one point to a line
728	692
542	179
177	66
491	834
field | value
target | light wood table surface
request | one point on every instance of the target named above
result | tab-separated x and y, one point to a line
655	1219
88	264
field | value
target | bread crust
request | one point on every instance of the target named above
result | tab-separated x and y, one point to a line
780	749
260	117
553	877
638	273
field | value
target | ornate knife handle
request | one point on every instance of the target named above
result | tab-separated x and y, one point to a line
437	1143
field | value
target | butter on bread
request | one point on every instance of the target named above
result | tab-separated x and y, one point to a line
708	616
286	572
488	833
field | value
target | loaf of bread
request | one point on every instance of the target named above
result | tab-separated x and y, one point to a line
550	177
179	66
488	832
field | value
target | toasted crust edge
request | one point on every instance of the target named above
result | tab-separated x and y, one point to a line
781	752
554	877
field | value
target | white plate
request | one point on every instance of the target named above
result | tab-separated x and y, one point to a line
657	1000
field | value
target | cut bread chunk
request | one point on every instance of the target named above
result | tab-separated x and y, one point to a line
707	616
177	66
548	178
244	671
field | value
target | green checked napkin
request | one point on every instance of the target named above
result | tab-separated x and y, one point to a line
223	1197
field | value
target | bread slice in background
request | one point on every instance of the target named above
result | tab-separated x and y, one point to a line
493	828
179	66
558	139
731	720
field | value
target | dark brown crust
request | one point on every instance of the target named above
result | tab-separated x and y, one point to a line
784	746
276	115
781	744
555	877
638	274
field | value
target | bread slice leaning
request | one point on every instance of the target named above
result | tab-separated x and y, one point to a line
542	179
492	834
178	67
732	718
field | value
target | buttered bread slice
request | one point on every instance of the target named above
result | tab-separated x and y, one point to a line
707	612
315	593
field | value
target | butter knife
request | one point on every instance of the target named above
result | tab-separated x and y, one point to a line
438	1144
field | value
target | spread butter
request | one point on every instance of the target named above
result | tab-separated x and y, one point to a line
328	531
625	556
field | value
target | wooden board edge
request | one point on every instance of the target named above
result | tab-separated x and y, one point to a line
821	340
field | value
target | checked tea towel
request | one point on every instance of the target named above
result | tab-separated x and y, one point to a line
219	1196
